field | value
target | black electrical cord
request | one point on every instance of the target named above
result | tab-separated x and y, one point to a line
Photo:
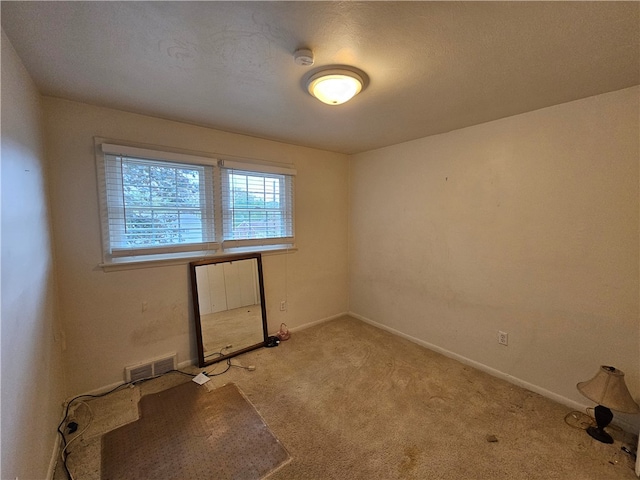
220	354
211	374
229	365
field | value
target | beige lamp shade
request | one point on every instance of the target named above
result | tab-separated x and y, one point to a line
608	389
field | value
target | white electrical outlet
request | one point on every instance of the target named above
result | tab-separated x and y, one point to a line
503	338
283	305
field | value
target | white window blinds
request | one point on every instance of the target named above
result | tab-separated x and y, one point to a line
257	207
156	206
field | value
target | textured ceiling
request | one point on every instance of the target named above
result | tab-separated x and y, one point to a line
433	66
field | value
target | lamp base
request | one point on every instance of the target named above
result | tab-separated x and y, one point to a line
600	435
603	418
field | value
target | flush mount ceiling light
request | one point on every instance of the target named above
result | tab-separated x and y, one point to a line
336	85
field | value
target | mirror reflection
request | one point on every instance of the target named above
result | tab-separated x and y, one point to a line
230	314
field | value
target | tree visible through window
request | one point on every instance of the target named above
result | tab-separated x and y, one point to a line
162	204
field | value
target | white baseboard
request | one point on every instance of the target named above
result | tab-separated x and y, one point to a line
493	372
55	456
315	322
108	388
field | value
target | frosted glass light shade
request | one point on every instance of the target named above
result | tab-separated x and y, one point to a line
335	87
608	389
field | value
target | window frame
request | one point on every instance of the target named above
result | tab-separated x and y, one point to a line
119	220
286	191
115	258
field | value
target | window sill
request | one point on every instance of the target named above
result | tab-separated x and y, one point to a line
164	260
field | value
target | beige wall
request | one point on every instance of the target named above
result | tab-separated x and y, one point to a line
106	328
32	375
527	224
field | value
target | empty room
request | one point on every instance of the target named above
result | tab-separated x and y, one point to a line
320	240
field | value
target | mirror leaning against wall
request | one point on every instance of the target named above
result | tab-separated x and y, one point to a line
229	307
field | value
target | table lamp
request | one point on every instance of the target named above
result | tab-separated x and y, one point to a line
609	391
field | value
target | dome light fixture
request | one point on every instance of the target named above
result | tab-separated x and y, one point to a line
335	86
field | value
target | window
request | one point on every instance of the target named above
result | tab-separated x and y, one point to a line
164	203
257	207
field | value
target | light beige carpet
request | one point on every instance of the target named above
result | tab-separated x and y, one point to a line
350	401
187	432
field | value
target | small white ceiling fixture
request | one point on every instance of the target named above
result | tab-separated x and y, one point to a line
335	86
303	57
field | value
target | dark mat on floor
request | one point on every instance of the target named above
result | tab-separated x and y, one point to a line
187	432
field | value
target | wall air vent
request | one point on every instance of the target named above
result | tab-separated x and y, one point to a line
151	368
164	365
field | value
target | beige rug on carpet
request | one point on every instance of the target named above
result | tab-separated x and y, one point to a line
189	432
